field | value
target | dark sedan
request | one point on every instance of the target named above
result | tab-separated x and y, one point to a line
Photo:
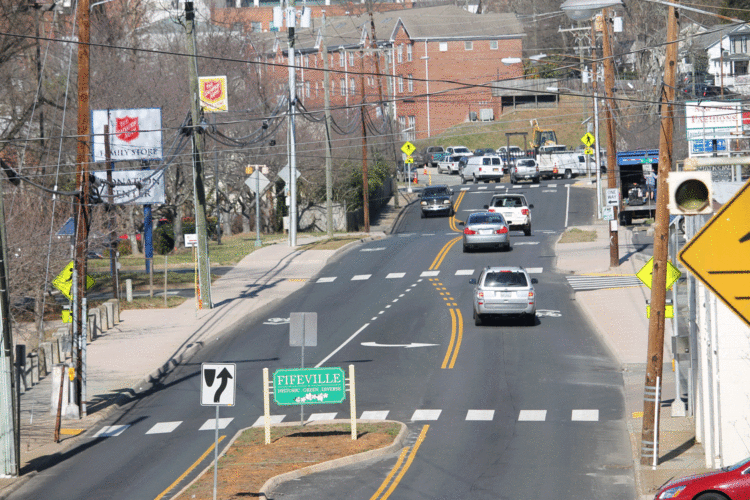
436	200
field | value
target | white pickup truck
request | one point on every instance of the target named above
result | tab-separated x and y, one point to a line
515	209
557	162
448	164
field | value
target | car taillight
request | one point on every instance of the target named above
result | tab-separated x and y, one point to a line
531	297
469	231
491	210
502	230
515	170
524	211
480	295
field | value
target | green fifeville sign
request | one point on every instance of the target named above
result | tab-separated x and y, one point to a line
309	386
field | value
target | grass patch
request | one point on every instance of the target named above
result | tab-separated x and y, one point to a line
330	244
575	235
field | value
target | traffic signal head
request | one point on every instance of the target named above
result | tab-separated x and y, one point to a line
690	193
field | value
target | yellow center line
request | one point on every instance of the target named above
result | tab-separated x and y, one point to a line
441	254
390	474
453	339
413	453
188	471
460	323
452	222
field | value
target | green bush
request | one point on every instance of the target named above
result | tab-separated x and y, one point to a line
163	239
123	246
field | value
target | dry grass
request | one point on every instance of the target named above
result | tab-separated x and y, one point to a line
575	235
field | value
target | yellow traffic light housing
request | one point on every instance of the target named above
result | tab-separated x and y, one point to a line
690	193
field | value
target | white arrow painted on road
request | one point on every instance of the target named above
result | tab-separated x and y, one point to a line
408	346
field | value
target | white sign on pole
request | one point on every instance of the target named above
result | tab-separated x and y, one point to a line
284	174
139	187
191	240
613	197
257	180
218	383
134	134
608	213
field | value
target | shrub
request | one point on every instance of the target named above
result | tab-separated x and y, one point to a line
163	239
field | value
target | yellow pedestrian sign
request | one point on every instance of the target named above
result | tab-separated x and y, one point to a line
588	151
64	281
719	255
409	159
408	148
647	271
588	139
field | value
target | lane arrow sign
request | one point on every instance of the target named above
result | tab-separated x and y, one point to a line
224	376
407	346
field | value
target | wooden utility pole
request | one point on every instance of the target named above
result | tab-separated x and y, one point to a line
654	360
327	104
83	156
365	187
612	173
199	190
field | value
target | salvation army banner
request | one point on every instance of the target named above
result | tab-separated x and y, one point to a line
134	134
213	93
138	187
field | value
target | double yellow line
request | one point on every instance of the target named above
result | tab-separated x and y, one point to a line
457	333
399	469
443	252
452	221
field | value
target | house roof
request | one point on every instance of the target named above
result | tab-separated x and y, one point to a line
713	34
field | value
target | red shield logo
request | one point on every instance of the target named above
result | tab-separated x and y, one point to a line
127	128
211	90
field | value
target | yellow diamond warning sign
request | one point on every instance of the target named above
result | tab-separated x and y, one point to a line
64	281
647	271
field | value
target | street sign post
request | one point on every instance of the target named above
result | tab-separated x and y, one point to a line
646	274
306	386
719	255
257	182
218	388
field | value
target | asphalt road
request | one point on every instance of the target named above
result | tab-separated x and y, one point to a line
498	411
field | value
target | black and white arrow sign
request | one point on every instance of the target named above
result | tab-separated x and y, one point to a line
218	382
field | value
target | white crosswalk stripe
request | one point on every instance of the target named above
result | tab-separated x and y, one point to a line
317	417
464	272
585	415
552	185
361	277
480	414
210	424
326	280
425	415
525	243
429	274
391	276
581	283
374	415
275	419
164	427
532	415
110	431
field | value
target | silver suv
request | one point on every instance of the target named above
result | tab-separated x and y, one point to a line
502	291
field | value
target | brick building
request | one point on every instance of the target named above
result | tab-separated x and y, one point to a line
437	64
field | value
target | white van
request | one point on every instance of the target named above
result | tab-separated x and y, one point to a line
482	168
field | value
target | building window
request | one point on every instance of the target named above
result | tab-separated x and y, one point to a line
352	86
342	61
342	87
493	44
351	59
256	26
402	122
443	46
468	45
400	54
411	83
409	52
307	61
412	130
307	89
333	87
400	84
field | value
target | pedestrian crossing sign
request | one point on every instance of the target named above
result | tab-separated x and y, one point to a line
646	273
64	281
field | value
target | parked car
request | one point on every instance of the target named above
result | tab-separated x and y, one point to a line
481	168
449	164
525	169
727	483
436	200
504	291
405	169
485	229
458	150
430	156
515	209
484	151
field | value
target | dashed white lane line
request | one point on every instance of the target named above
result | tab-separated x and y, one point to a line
374	415
210	424
425	415
585	415
391	276
532	415
110	431
429	274
551	185
464	272
480	414
275	419
316	417
534	270
164	427
525	243
326	280
373	318
361	277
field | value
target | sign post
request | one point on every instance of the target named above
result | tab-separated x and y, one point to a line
408	148
218	388
303	330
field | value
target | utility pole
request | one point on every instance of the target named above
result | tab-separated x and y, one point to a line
609	84
291	21
83	157
654	360
389	121
199	191
365	187
327	104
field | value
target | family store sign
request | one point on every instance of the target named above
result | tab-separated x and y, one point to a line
302	386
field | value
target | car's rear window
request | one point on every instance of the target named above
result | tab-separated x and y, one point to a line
526	163
507	202
486	219
505	278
